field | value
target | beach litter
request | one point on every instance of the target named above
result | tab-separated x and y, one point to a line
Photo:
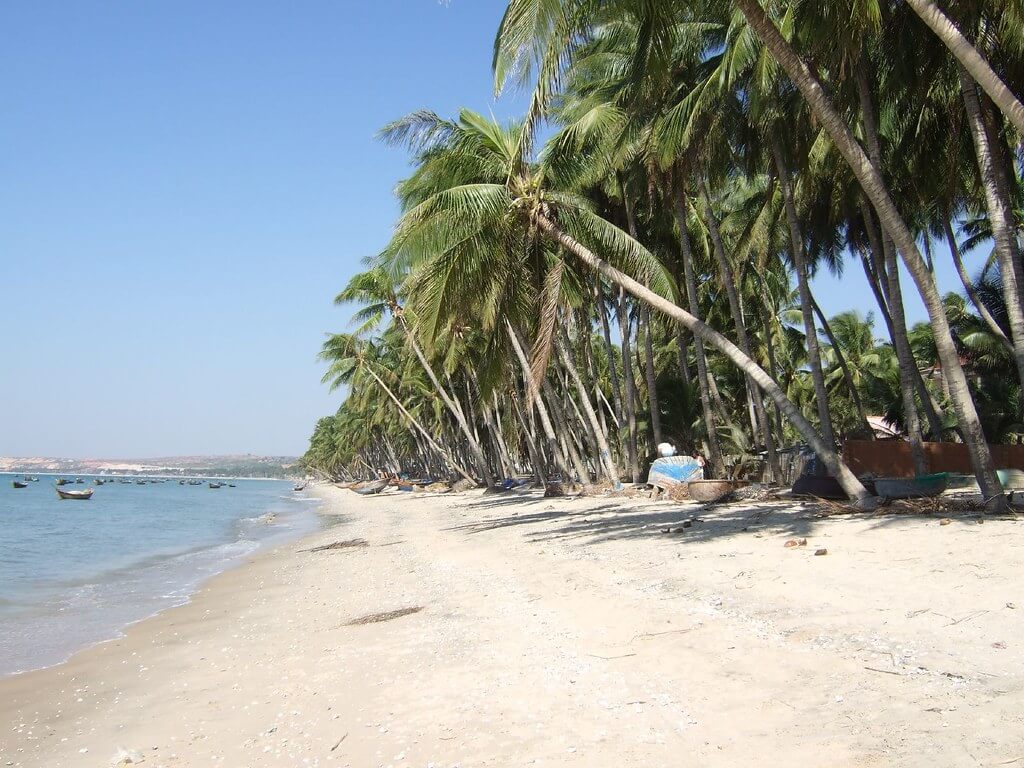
793	543
127	757
349	544
376	618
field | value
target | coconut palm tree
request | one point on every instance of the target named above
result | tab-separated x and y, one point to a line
462	227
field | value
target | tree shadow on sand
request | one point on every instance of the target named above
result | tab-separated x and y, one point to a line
682	522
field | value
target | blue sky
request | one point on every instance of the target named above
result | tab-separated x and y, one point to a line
183	189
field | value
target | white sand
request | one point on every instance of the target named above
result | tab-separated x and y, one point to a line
564	632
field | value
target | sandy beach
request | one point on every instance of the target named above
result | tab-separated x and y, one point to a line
508	630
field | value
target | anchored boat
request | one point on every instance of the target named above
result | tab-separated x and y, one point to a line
75	495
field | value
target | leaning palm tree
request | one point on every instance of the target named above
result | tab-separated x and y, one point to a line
971	59
545	35
348	357
480	229
377	293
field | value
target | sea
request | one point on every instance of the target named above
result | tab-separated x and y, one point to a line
76	573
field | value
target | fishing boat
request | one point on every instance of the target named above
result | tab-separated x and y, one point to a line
19	484
668	472
216	485
371	488
299	487
195	482
920	487
99	482
83	495
231	485
79	481
62	481
710	491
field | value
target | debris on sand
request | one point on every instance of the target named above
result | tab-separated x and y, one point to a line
820	552
350	544
792	543
376	618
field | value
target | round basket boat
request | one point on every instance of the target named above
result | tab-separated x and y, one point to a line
712	490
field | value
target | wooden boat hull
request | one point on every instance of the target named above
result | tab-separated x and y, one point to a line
922	487
818	486
19	484
369	490
710	491
75	495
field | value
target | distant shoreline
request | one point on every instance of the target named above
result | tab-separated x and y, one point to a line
104	475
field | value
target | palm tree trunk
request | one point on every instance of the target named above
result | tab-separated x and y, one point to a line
847	480
874	187
532	444
806	309
887	270
703	378
613	369
971	60
545	419
718	246
565	433
492	416
478	454
604	452
1001	218
652	381
972	294
682	351
629	393
845	368
773	368
426	436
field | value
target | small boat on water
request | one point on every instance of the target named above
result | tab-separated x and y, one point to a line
195	482
99	482
216	485
83	495
19	484
62	481
79	481
299	487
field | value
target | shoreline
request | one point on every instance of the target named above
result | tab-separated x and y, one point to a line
181	594
501	630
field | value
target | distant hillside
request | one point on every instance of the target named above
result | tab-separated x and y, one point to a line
243	465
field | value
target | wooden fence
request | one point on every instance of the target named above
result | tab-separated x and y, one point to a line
891	458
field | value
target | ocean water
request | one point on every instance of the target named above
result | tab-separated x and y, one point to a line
75	573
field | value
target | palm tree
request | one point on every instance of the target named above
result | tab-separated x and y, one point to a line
348	356
893	224
375	290
971	60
